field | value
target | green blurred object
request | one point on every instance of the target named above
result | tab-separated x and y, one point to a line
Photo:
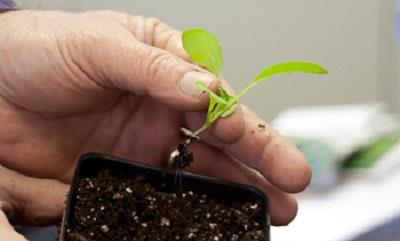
321	157
370	154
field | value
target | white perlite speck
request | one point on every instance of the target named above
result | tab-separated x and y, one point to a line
104	228
165	221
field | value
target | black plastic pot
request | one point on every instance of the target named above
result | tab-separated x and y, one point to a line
164	180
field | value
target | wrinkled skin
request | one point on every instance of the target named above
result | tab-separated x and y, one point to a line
108	82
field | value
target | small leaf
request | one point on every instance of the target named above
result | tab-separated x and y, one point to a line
203	49
289	67
212	107
284	68
200	85
231	108
215	103
221	105
224	94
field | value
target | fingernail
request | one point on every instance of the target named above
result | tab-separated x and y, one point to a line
190	78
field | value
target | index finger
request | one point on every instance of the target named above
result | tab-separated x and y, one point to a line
265	150
261	148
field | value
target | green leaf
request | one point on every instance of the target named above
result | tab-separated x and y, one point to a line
223	109
221	105
289	67
231	107
231	104
284	68
200	85
203	49
224	94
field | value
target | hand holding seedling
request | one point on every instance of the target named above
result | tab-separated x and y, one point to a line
205	50
108	82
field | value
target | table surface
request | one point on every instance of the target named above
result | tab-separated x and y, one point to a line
389	231
364	201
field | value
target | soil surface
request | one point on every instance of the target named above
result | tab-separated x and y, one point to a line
111	208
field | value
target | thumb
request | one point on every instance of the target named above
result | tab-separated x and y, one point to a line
31	201
130	65
7	231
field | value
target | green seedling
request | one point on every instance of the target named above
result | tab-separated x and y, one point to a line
204	50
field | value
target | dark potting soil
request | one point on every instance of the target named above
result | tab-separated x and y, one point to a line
184	158
114	208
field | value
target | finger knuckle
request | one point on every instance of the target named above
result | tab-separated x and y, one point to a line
159	66
152	21
135	24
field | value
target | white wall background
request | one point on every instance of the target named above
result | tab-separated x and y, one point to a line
389	53
353	39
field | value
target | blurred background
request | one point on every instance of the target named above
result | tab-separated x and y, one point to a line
345	122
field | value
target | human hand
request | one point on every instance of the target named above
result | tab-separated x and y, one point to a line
7	231
108	82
